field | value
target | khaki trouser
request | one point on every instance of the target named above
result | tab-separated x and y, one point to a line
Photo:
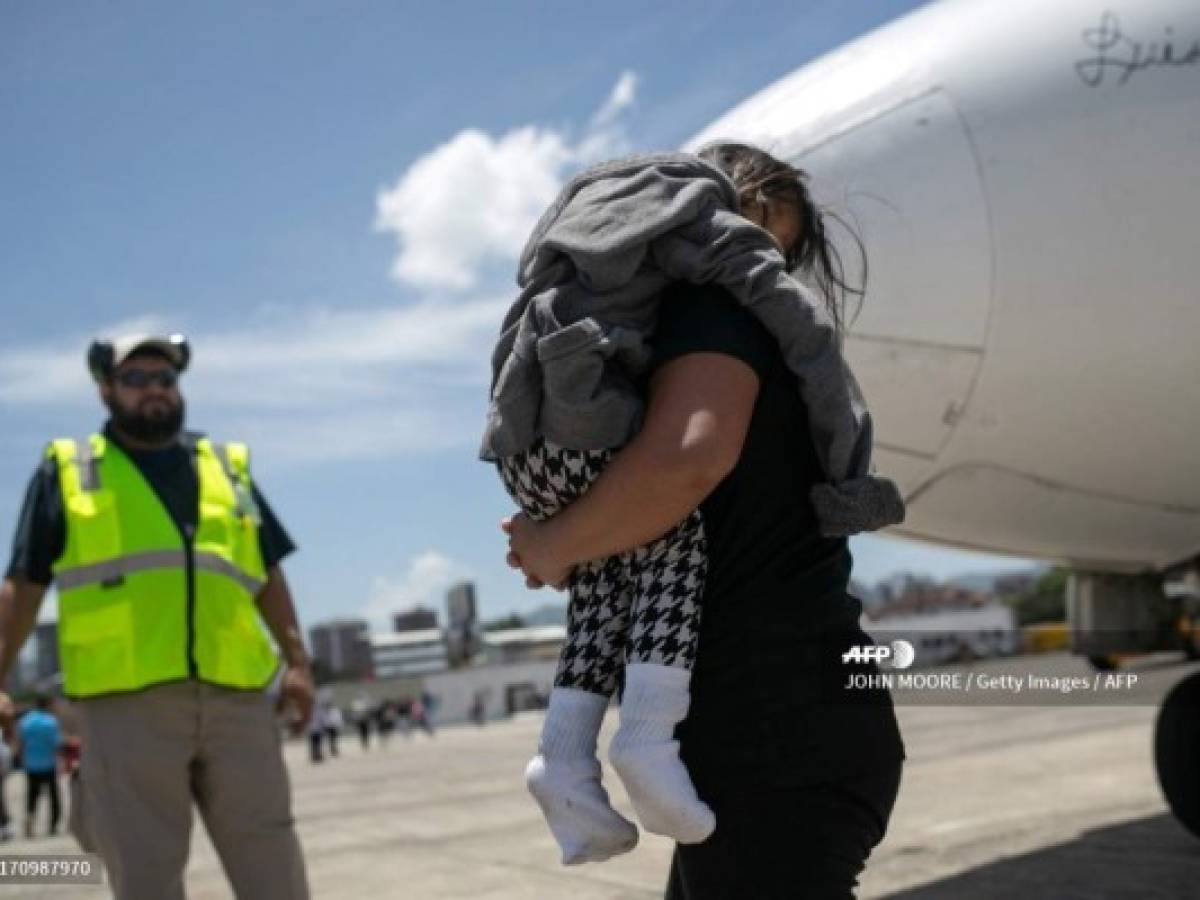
148	755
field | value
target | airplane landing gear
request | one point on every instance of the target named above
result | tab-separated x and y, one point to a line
1110	614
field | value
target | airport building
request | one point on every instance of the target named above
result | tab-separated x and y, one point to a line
419	618
342	647
501	690
532	644
951	634
409	653
462	618
500	672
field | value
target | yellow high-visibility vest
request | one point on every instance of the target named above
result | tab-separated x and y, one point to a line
141	603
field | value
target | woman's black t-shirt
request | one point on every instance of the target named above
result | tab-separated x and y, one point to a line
768	702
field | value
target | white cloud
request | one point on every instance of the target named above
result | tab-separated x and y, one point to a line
472	201
330	385
316	346
623	94
415	334
334	384
57	372
424	582
387	431
350	358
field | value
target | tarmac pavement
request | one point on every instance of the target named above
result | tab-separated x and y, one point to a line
1001	801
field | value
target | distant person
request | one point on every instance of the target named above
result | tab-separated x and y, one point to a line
70	754
385	721
360	712
363	725
478	710
316	736
672	413
334	722
404	716
40	737
430	702
421	716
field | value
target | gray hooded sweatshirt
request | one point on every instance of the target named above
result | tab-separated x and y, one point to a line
575	342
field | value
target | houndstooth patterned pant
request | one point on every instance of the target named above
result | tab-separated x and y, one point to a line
642	605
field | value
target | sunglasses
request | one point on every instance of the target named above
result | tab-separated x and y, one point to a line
140	379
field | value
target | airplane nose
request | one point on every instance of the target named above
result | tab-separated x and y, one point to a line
907	182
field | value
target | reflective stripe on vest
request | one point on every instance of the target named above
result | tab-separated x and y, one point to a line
112	570
138	603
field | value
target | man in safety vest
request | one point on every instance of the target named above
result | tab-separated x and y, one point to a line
166	559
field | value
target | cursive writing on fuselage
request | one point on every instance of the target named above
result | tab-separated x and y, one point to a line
1121	55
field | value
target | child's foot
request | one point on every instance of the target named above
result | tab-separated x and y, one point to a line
577	809
564	778
646	754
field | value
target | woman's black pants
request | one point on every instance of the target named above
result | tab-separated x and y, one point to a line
797	843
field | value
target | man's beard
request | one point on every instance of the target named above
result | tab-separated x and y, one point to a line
158	428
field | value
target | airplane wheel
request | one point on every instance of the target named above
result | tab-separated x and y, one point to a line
1103	663
1177	751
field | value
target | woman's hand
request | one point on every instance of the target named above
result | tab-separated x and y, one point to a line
529	551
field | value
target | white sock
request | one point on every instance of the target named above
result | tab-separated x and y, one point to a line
564	778
646	755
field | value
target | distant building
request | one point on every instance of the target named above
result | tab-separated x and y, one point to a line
409	653
923	597
951	634
869	596
462	629
343	647
1012	585
900	584
460	603
512	645
416	619
549	614
46	642
497	691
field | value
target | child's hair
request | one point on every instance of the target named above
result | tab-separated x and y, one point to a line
760	177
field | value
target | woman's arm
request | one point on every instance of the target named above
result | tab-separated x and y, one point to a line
698	412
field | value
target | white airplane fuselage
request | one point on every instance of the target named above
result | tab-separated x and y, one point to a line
1025	177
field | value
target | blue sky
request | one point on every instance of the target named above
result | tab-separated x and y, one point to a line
329	200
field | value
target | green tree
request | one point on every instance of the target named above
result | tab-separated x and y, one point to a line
1045	602
512	620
